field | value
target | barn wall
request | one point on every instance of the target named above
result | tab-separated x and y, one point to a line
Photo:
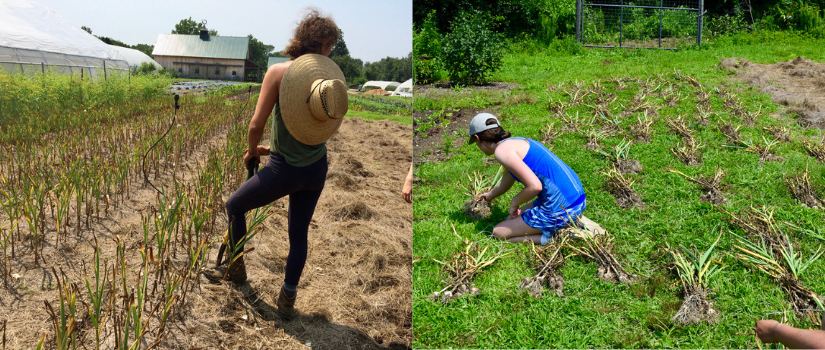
203	68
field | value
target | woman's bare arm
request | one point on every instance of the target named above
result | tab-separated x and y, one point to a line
270	90
507	156
504	185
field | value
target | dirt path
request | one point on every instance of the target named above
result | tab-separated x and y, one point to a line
356	289
798	84
355	292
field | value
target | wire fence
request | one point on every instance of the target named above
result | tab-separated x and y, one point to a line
653	24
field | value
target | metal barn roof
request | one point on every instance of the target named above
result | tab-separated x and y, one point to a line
232	47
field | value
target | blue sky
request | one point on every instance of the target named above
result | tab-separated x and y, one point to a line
372	29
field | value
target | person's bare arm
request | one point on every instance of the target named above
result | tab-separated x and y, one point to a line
770	331
507	156
503	186
270	90
406	192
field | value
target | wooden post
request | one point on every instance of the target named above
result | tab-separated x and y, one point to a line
43	67
104	69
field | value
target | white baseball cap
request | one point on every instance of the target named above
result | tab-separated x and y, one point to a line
479	124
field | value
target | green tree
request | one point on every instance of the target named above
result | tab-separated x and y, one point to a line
145	48
111	41
392	69
340	48
189	26
258	51
87	29
352	68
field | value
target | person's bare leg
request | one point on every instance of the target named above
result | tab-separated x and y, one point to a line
514	228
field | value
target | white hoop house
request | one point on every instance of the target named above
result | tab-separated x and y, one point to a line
34	39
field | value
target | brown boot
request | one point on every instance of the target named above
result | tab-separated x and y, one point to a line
286	305
234	272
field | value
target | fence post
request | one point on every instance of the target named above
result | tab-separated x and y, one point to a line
43	67
700	20
661	11
621	23
104	69
579	23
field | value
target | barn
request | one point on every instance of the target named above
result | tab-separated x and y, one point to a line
206	57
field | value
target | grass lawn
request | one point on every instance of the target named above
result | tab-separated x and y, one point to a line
594	313
367	115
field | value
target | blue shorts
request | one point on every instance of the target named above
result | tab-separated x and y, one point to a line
548	221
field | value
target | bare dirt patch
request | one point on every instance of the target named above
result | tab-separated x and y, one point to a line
629	166
431	146
450	131
798	84
477	209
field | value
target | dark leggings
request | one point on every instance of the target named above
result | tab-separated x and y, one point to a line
275	180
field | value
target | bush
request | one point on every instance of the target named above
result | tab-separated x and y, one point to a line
172	74
359	80
426	52
722	25
145	68
390	88
472	51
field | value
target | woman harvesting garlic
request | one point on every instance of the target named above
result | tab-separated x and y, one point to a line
307	98
558	192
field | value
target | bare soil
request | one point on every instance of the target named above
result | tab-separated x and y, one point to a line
714	196
477	209
355	292
626	197
798	84
629	166
696	307
381	92
430	147
592	145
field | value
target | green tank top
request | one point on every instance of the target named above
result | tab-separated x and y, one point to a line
294	152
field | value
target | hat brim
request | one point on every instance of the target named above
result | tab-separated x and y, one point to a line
472	139
296	87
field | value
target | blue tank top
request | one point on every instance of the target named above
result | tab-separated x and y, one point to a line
560	184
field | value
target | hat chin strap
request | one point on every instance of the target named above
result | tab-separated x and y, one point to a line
321	97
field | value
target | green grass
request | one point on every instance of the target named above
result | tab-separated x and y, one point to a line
594	313
405	120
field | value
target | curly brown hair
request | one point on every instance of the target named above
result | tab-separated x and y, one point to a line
311	35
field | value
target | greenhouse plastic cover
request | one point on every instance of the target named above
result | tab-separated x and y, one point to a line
30	33
404	87
135	57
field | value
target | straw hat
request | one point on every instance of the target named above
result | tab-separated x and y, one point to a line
313	98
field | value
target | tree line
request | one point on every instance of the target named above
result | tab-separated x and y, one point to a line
550	20
358	72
